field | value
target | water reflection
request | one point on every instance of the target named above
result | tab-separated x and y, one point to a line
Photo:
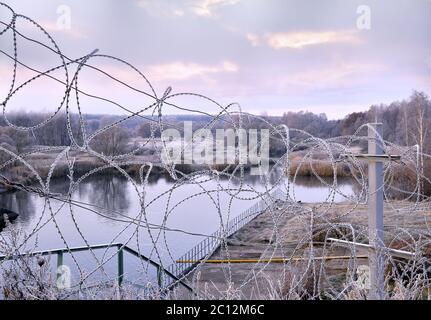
272	178
115	193
107	191
20	202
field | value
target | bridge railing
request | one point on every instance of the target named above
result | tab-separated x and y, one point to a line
209	245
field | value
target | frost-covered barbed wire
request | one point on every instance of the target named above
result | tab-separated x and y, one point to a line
305	271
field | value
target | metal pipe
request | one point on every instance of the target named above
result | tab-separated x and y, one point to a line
272	260
120	268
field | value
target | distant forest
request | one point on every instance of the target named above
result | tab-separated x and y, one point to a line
405	123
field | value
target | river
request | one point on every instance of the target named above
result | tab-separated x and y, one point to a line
116	200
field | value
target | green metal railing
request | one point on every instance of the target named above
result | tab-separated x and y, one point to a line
176	271
161	272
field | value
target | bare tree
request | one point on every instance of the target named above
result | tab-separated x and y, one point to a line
111	142
420	111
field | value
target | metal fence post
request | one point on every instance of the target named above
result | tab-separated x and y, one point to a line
59	263
375	212
120	267
159	277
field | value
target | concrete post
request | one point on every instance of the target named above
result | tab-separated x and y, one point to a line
375	213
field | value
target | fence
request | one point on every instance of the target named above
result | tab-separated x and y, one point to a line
170	276
305	155
206	247
161	272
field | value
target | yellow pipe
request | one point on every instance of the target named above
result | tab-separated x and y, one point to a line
266	260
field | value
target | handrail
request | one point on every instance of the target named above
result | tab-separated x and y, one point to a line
159	267
60	251
394	252
175	271
208	246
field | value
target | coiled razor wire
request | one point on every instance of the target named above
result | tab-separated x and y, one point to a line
277	199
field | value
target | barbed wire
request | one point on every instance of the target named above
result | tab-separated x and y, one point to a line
305	269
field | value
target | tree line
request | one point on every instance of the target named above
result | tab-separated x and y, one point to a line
405	123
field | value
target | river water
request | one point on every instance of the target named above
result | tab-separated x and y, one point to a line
116	200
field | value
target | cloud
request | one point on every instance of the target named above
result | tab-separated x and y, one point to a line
182	70
207	7
50	26
298	40
339	75
160	8
204	8
178	12
254	39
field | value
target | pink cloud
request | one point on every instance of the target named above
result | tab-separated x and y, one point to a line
298	40
182	70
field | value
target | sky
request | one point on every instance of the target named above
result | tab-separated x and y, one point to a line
269	56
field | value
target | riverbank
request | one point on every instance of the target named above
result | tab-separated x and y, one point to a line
299	165
84	163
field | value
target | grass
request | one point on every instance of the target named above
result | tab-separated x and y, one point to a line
30	277
316	166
